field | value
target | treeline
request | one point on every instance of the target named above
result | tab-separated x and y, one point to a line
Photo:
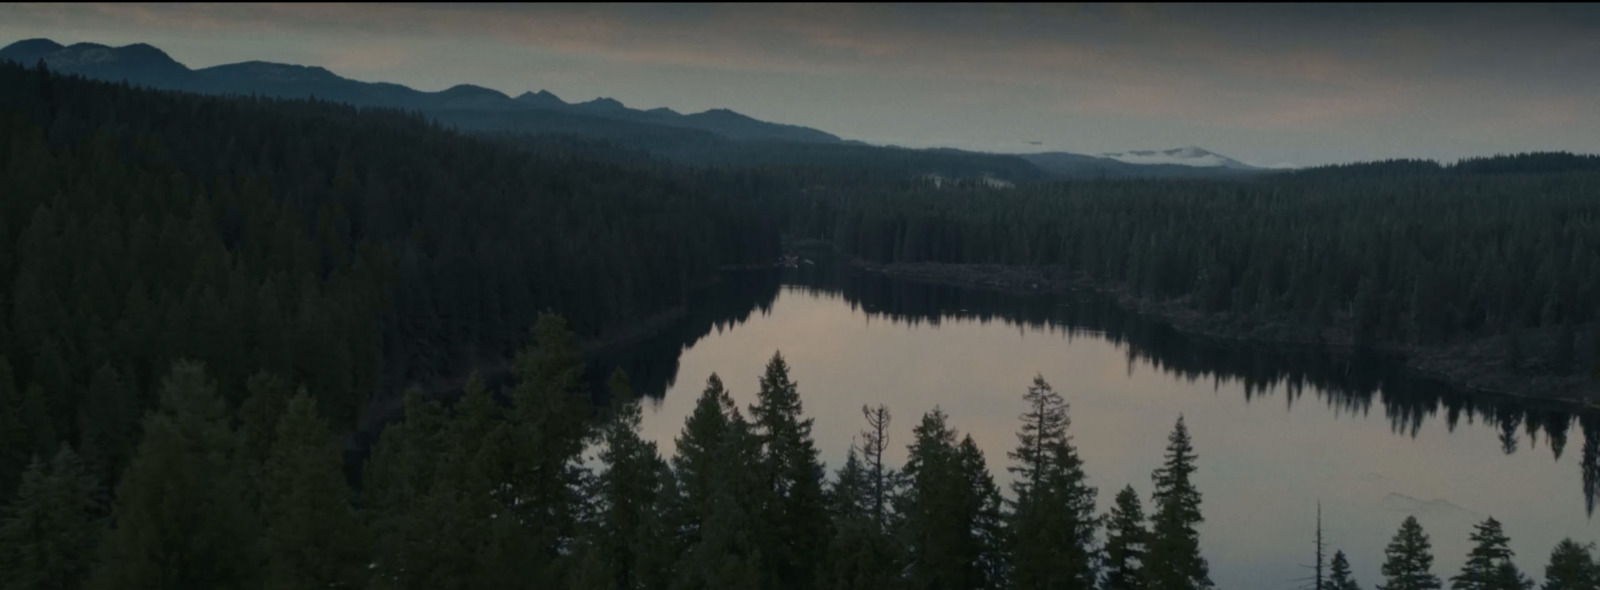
1345	382
347	251
519	490
491	494
1492	248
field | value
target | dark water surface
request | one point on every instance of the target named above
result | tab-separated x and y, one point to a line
1277	428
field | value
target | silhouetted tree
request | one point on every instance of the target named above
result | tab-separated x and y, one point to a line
1174	559
1409	560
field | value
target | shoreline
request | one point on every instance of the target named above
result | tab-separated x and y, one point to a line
1474	366
383	408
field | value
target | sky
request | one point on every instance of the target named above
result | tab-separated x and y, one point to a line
1267	84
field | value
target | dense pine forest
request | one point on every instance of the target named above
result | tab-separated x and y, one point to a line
1404	255
306	241
201	297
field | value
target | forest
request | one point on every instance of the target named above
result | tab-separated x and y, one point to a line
1402	254
202	297
494	491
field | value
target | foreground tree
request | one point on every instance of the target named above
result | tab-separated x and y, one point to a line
549	417
1052	522
1572	567
1339	576
706	431
793	511
1175	562
49	532
182	519
313	538
627	536
950	512
1489	564
719	459
874	442
860	554
1127	543
1408	561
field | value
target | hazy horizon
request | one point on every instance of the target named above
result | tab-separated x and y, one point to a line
1268	85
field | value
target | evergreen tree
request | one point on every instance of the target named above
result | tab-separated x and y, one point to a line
860	555
1127	544
723	551
411	549
549	417
1408	561
312	538
704	434
626	533
1174	558
1052	521
182	520
793	512
950	512
437	488
1339	576
988	524
49	532
1489	564
1572	567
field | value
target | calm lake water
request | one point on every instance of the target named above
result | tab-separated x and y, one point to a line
1278	429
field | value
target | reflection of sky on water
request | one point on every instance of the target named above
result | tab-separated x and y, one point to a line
1264	463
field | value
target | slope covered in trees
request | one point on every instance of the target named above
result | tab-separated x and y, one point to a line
1403	255
341	250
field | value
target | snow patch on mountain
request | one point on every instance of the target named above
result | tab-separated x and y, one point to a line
1184	156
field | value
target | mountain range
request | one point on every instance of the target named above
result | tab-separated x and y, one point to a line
716	136
146	65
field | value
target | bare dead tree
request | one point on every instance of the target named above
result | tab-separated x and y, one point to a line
875	439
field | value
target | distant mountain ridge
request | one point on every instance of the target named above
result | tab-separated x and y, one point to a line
145	65
712	137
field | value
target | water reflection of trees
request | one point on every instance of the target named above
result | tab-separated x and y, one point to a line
652	364
1346	383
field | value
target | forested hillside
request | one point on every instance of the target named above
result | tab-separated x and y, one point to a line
1403	253
347	251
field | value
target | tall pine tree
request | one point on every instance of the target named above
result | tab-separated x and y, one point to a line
182	519
721	459
549	414
627	534
696	464
1175	562
1408	561
1339	576
794	514
1489	565
312	536
1052	522
1127	544
950	511
1572	567
49	532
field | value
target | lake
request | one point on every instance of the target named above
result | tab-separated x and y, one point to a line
1278	429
